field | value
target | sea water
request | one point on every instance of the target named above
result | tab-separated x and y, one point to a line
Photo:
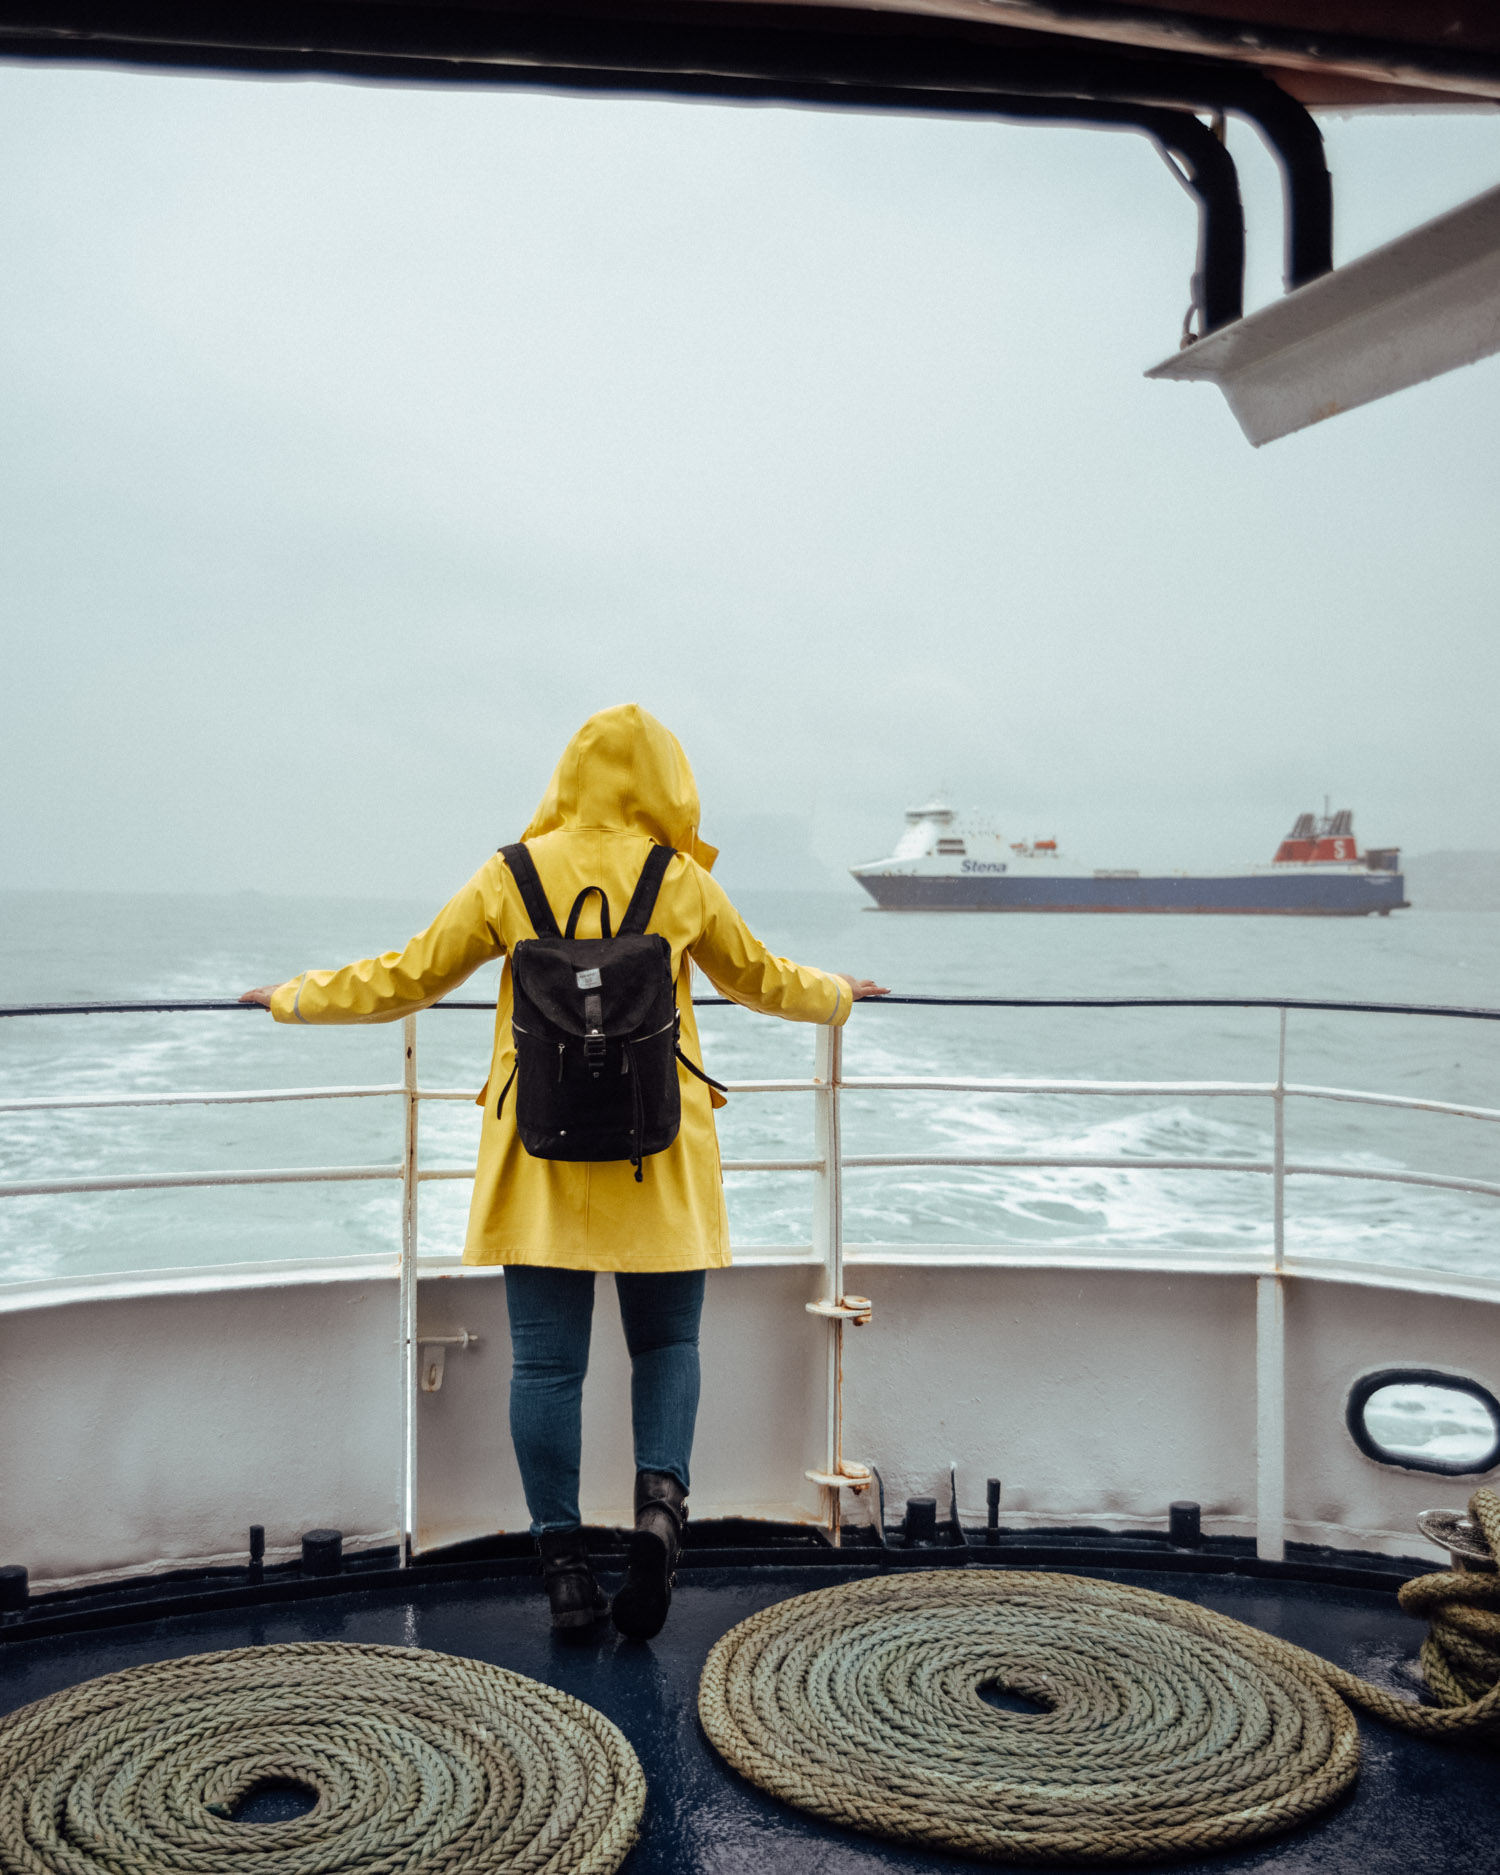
77	948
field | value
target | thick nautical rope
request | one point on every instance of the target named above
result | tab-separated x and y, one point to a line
420	1762
1461	1655
1167	1729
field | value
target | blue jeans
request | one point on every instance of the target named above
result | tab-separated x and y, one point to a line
551	1317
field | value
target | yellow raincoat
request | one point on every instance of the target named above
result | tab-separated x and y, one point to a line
623	784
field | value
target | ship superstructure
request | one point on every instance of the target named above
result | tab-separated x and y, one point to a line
945	861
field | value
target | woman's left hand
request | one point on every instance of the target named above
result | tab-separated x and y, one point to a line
261	996
861	987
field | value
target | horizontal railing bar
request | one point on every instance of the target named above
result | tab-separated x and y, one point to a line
775	1087
772	1165
202	1005
734	1087
897	1161
927	1160
1355	1098
62	1103
1155	1002
1006	1085
729	1165
168	1181
183	1006
58	1103
1437	1180
32	1188
1096	1002
861	1162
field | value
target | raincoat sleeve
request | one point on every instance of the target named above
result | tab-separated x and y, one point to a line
739	966
464	935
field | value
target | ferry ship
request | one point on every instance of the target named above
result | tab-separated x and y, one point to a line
945	863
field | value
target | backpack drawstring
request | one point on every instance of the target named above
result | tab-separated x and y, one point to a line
637	1109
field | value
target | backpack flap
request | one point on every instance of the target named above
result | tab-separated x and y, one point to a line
560	981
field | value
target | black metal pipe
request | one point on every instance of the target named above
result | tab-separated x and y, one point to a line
1293	138
1125	96
815	59
1206	170
1202	165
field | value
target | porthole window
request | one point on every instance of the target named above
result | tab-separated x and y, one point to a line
1422	1420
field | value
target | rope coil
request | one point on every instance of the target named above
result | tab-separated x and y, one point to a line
1167	1729
1461	1655
420	1761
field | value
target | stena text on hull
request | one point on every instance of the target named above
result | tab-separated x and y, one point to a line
945	862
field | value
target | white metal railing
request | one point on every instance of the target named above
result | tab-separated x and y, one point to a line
828	1163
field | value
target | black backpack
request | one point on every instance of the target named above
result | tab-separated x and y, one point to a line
596	1027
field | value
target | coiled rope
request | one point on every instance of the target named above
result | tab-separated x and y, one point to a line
420	1761
1167	1729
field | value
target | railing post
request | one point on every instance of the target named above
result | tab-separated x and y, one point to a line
828	1200
828	1240
837	1474
1278	1153
407	1534
1270	1346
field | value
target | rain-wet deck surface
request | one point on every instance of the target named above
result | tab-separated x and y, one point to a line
1418	1807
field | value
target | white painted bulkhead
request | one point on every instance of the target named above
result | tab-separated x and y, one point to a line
149	1422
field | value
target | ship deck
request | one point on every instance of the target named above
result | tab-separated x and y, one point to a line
1418	1807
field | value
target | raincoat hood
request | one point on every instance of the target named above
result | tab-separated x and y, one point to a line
625	770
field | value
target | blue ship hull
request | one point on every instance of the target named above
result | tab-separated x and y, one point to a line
1294	894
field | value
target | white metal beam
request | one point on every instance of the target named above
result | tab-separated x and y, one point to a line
1411	310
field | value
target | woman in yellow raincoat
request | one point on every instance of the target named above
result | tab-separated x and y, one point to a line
622	787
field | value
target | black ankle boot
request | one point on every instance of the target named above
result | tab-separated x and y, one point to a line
641	1606
576	1598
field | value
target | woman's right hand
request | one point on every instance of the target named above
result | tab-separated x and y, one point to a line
861	987
261	996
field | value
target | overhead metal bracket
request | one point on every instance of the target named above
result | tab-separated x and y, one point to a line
1419	306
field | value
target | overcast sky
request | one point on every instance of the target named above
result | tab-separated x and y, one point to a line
356	443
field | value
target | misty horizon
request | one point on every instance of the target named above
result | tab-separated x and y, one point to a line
362	442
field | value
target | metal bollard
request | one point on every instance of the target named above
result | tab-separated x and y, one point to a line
15	1588
323	1552
921	1520
1183	1527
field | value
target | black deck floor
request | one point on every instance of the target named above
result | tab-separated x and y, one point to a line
1419	1808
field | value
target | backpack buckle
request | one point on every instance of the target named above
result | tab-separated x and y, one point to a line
593	1035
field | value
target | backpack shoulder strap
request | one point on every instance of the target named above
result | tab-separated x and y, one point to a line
643	899
523	871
